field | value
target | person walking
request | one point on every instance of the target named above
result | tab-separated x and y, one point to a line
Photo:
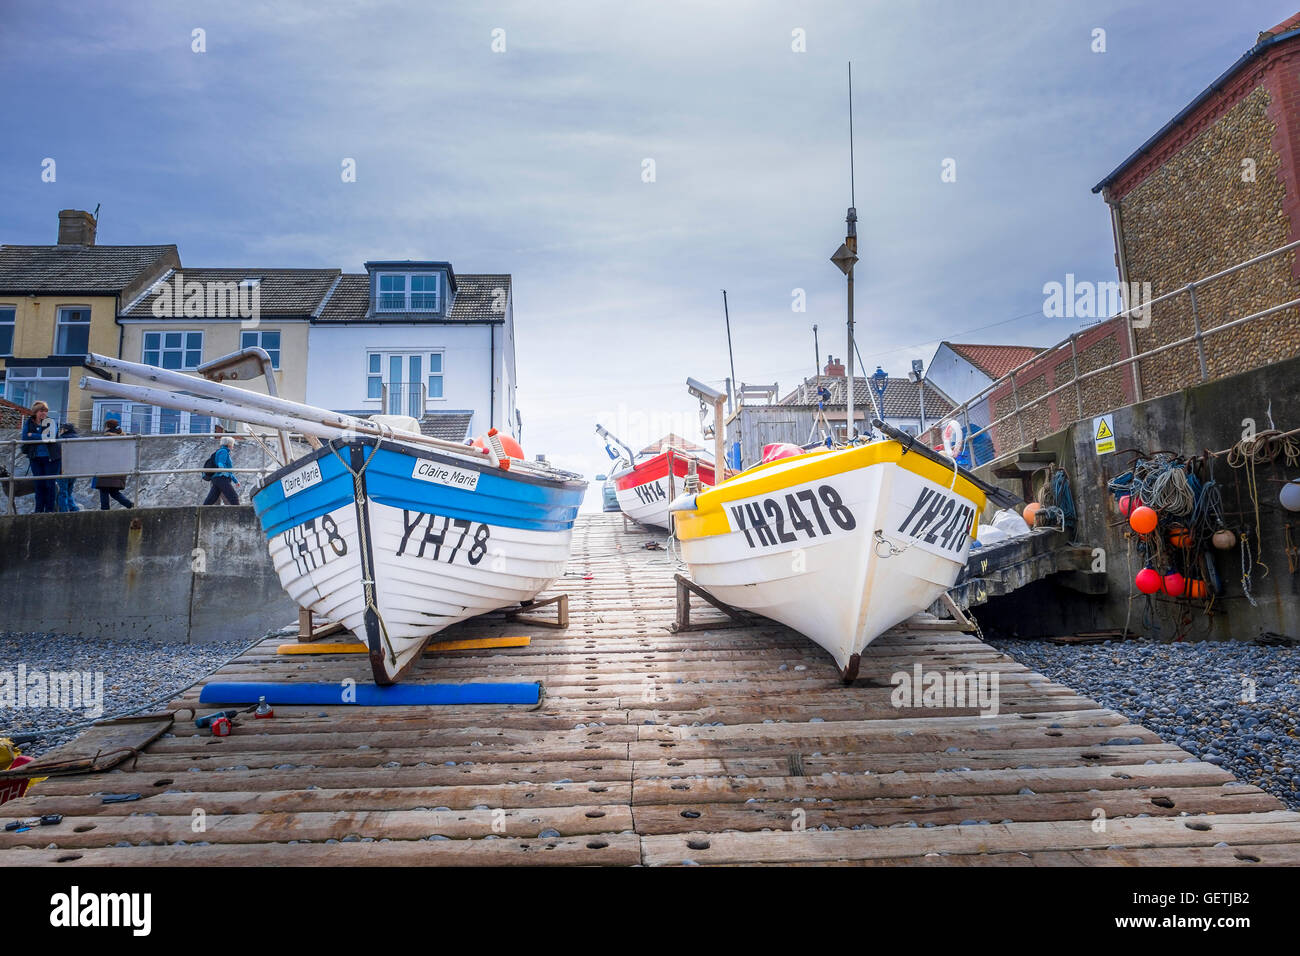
217	469
42	454
110	486
66	498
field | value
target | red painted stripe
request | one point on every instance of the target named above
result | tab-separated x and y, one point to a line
657	467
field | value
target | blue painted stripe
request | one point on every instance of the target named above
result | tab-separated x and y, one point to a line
501	499
370	695
278	513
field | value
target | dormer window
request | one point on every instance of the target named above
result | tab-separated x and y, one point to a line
251	283
416	292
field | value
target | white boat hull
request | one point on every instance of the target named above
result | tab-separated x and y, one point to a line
817	564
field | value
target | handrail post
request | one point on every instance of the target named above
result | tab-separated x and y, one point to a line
1196	329
965	412
13	476
135	473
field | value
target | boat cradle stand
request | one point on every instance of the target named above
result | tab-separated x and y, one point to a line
561	602
687	587
308	631
849	673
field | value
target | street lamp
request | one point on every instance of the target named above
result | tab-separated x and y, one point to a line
918	376
880	382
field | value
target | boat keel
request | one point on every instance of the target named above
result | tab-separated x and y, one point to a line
849	672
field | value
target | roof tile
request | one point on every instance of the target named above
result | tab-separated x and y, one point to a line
995	360
103	270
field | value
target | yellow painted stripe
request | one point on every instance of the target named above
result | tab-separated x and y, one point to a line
355	648
709	517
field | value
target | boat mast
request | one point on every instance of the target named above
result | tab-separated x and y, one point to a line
845	256
733	383
851	240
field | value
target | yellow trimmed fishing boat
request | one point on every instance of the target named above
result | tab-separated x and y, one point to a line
840	544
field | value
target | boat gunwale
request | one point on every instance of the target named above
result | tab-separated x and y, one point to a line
644	465
396	445
689	507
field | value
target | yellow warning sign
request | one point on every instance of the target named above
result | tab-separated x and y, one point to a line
1103	434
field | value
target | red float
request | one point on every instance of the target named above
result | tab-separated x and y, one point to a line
1148	581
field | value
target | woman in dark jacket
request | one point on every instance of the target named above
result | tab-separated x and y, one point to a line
110	486
42	453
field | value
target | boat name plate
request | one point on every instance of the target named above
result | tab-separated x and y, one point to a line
462	478
306	476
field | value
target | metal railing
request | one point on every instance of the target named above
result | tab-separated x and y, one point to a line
1045	360
11	452
403	398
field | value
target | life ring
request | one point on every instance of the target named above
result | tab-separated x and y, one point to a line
953	439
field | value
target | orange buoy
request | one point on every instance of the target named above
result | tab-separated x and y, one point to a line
1031	512
511	447
1180	537
1143	520
1197	588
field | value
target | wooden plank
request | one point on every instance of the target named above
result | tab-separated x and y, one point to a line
603	849
354	647
817	845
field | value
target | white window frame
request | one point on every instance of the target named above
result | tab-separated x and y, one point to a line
13	327
425	356
407	292
59	326
126	417
274	353
16	375
441	375
162	348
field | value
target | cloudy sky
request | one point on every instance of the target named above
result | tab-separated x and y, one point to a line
531	161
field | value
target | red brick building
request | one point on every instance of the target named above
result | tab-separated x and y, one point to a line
1217	185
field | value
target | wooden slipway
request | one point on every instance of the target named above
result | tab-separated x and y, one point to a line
736	745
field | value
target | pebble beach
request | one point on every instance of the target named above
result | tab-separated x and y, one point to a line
135	673
1196	695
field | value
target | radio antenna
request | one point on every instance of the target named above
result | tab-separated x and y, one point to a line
852	193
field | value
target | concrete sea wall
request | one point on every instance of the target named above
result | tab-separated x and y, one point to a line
186	574
1212	416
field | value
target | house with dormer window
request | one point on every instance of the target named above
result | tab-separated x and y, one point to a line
416	338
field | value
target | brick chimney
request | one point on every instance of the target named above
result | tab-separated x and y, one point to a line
834	368
76	228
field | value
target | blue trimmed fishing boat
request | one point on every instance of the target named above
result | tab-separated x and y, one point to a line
388	532
396	541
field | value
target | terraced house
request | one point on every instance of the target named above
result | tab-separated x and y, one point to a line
58	302
402	338
192	316
417	339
